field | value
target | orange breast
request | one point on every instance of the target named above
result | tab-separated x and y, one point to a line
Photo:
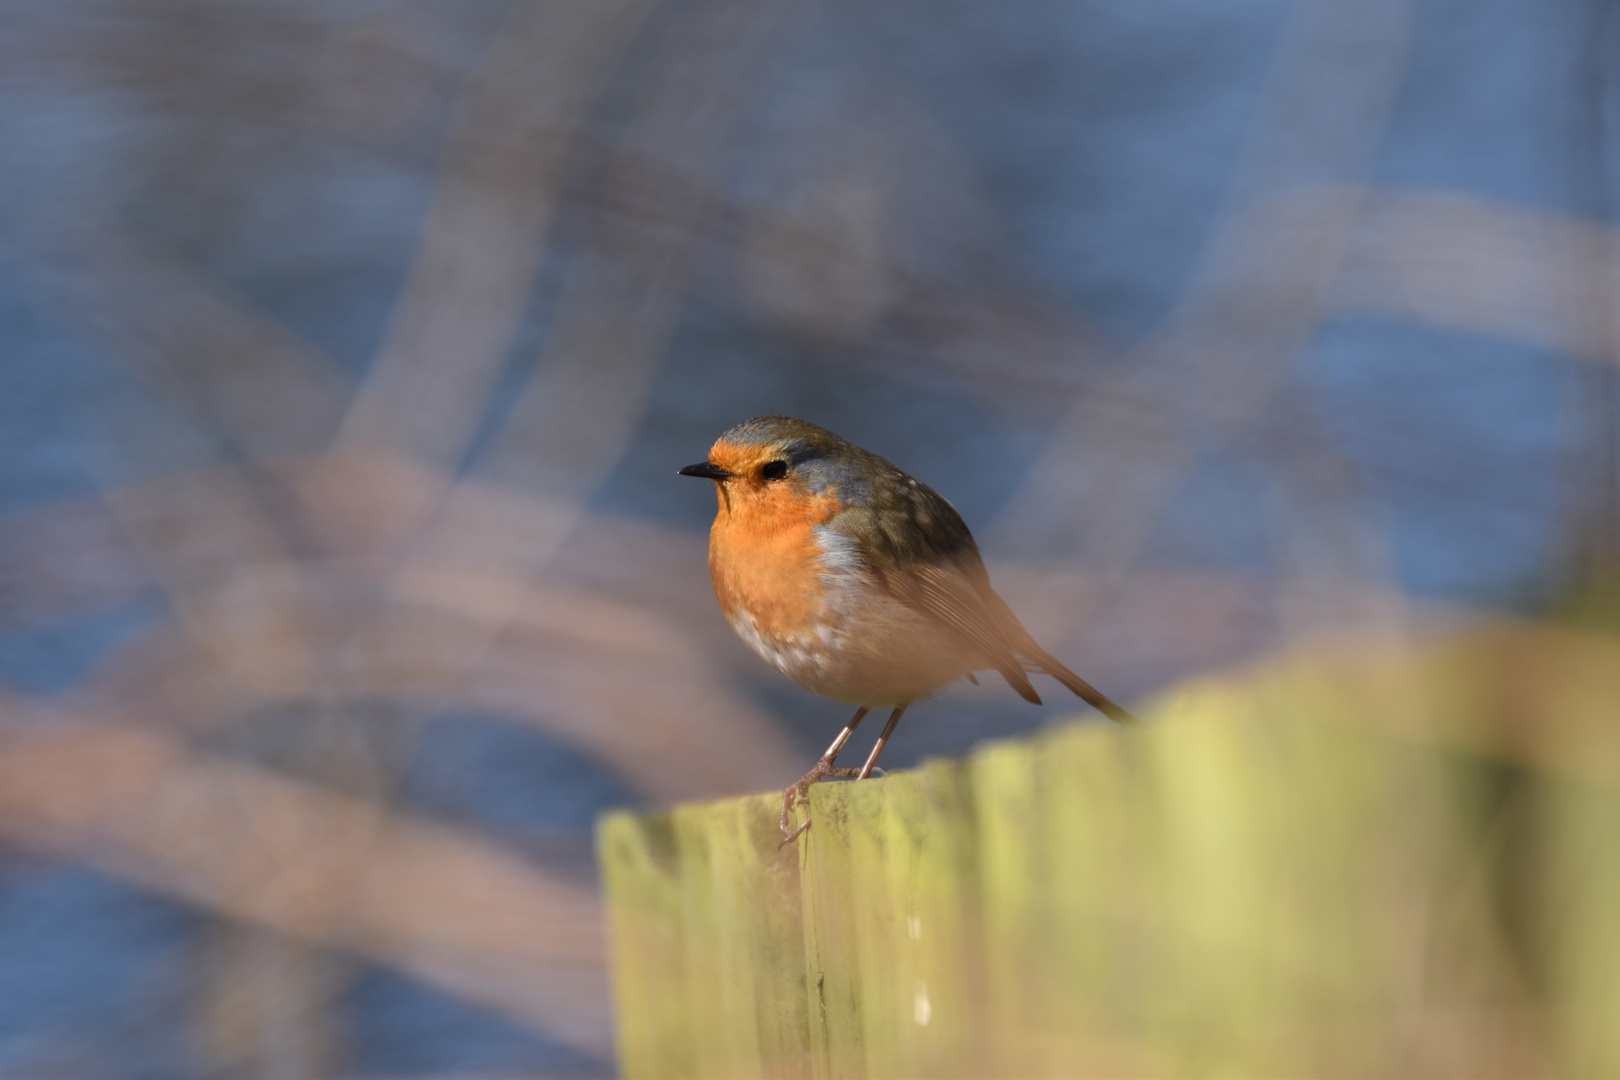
764	559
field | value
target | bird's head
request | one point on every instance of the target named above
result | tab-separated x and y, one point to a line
776	467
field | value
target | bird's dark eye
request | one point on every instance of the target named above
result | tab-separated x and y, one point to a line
774	470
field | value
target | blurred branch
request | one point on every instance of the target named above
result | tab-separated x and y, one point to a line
268	1005
1484	267
227	572
1335	567
568	427
316	866
495	201
589	685
64	560
1004	345
260	626
1595	457
1265	277
474	614
246	377
622	297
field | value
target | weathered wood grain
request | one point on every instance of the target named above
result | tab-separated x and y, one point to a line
1284	874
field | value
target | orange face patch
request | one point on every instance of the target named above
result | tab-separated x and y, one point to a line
762	553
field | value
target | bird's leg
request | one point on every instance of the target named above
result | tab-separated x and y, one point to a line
822	769
883	740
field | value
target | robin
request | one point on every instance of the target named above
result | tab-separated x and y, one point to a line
857	581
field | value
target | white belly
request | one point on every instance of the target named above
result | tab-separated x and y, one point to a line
868	648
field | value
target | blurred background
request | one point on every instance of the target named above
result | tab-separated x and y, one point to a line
351	347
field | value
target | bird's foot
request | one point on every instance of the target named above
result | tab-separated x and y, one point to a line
798	793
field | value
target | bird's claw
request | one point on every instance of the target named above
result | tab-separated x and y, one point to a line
798	793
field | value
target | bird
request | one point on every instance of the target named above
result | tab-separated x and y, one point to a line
858	581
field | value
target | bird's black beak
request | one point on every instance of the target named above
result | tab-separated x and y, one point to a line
706	469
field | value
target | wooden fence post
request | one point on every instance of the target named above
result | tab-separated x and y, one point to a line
1285	874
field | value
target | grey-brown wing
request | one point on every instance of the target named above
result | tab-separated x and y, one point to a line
944	592
925	557
1026	648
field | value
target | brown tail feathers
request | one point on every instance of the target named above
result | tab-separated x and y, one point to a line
1093	697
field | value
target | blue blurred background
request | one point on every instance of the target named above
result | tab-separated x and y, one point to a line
351	348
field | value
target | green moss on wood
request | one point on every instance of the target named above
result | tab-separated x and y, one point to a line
1326	867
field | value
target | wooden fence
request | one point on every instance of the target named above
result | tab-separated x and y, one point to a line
1422	878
